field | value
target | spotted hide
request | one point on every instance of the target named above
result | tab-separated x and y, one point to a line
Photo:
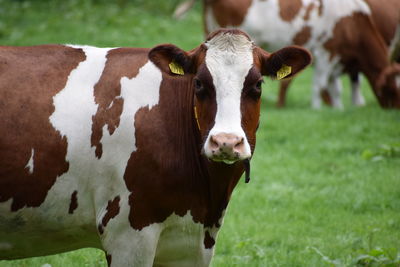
133	151
343	35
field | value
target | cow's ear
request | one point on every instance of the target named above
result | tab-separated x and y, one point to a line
172	60
284	63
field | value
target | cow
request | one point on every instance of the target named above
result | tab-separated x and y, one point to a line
332	32
386	16
131	150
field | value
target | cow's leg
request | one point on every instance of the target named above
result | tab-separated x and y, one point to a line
131	247
320	81
124	245
284	85
357	98
326	97
335	91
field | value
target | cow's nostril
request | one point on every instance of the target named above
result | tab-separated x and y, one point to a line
240	143
213	143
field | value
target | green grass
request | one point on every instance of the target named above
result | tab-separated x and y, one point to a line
312	189
323	190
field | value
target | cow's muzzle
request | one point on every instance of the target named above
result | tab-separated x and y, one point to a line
227	148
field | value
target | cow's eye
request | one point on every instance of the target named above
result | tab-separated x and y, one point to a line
197	84
255	92
259	84
199	88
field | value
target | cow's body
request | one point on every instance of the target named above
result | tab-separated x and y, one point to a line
332	32
65	182
101	148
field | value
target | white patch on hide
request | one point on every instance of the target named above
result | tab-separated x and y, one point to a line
30	163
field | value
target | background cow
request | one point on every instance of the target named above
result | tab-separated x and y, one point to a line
341	34
386	17
134	151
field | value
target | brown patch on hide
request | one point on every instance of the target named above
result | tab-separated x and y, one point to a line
326	97
228	13
250	105
74	202
289	9
29	79
209	241
310	8
302	37
112	211
386	15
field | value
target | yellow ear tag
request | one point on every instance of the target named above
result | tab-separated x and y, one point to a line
176	68
283	72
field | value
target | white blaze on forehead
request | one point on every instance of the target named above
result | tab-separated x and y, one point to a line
229	58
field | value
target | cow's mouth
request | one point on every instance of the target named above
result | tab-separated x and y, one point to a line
224	159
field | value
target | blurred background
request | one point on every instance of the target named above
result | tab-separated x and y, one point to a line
325	188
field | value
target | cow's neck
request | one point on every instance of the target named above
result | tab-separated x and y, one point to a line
221	181
374	68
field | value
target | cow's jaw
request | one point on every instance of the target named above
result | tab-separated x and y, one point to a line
229	58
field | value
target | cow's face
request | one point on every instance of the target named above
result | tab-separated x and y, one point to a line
226	73
389	86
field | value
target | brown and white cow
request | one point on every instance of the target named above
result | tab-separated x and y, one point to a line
386	17
341	35
130	150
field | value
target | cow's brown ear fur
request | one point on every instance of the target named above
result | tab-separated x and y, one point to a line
297	58
163	55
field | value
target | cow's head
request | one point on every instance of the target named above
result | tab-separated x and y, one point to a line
226	73
388	86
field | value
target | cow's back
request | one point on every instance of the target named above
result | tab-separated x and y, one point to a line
386	15
65	113
276	23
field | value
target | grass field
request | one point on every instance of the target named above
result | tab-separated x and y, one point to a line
325	188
